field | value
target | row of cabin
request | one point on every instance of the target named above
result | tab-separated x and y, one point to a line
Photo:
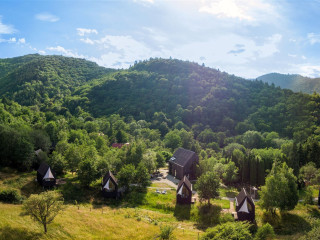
46	177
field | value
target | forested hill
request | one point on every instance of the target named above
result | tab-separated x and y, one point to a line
162	91
201	96
294	82
35	79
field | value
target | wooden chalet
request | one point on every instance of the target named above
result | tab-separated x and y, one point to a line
184	191
245	207
183	163
46	176
109	186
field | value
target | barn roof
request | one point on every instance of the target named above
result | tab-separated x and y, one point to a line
43	168
182	156
107	176
186	182
242	195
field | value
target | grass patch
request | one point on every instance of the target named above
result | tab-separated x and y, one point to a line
225	204
111	224
230	192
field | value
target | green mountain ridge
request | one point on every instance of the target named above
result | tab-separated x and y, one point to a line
295	82
180	90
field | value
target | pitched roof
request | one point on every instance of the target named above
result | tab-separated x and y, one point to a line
241	196
43	168
107	176
186	182
119	145
182	156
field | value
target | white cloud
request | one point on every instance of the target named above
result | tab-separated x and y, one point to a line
47	17
84	31
6	29
144	1
309	70
314	38
10	40
87	40
248	10
122	51
22	40
65	52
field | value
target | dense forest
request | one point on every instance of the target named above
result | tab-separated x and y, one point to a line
62	105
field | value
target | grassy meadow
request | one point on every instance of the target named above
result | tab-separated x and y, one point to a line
138	215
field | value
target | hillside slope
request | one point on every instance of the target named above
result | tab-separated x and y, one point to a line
33	79
164	91
295	82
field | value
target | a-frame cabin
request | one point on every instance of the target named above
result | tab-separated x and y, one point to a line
184	191
245	207
109	186
46	176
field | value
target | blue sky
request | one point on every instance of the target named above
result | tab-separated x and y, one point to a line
247	38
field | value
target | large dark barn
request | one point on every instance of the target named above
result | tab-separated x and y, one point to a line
183	163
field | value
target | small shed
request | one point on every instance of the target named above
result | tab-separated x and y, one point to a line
184	191
183	163
109	186
245	207
46	176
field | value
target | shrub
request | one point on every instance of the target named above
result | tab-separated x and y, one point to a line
265	232
166	232
10	196
229	231
308	198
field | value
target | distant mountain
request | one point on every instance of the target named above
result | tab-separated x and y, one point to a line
294	82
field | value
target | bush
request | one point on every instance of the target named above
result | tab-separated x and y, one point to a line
206	215
10	196
229	231
265	232
308	198
166	232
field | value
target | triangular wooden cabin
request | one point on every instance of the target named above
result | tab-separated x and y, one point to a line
109	186
184	191
46	176
245	207
183	163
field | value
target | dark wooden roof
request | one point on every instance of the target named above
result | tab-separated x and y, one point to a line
107	176
242	195
182	156
43	168
186	182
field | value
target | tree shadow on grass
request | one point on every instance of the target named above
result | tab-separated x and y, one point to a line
286	223
31	188
9	233
182	212
206	215
313	211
